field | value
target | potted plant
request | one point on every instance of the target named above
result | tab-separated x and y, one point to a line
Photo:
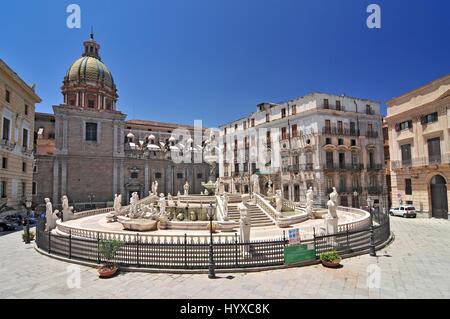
32	236
331	259
108	249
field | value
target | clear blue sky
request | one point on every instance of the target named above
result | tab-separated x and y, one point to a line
215	60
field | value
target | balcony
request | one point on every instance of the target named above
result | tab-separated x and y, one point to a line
7	144
374	167
343	167
374	190
327	130
333	107
372	134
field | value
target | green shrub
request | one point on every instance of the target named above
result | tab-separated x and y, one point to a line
109	249
330	256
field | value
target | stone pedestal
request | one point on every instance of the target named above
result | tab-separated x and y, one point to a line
331	226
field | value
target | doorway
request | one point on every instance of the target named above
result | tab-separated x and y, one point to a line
439	200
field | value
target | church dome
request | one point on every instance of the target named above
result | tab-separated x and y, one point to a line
90	69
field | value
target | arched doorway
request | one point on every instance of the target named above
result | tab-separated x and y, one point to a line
439	204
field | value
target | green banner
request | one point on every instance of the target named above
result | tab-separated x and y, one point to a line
297	253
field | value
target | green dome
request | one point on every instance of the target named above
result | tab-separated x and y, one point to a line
90	69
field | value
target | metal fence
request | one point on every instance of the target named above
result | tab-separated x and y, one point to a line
187	253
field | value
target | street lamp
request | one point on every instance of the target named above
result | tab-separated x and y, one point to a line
211	271
91	197
372	241
27	221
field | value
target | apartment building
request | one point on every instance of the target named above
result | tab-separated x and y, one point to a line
419	144
318	140
17	105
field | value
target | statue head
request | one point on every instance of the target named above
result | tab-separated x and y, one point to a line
334	189
161	195
47	200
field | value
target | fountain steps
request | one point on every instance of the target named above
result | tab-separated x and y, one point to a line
258	217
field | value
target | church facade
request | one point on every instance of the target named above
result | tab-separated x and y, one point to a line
88	150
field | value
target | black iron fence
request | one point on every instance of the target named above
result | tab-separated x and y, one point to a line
188	253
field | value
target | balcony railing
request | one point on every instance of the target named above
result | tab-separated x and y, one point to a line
339	131
333	107
372	134
343	167
374	190
374	167
421	161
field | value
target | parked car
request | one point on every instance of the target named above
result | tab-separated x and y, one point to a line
13	219
5	225
404	211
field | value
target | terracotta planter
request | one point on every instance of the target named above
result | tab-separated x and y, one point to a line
107	272
332	264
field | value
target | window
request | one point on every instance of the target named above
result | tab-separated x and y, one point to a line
406	125
253	168
157	175
134	174
6	128
35	169
3	189
236	168
108	104
91	103
26	109
294	130
294	109
91	132
355	159
235	127
328	124
430	118
329	159
408	186
267	118
352	128
283	113
328	140
326	104
24	167
253	122
406	154
4	162
8	96
179	175
352	142
283	133
338	105
369	109
24	188
340	141
341	160
25	138
340	127
199	175
225	131
244	125
34	188
434	150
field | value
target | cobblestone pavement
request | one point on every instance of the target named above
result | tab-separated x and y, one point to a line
415	265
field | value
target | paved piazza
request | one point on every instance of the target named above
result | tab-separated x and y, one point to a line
415	265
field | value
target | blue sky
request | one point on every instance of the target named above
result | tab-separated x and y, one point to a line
215	60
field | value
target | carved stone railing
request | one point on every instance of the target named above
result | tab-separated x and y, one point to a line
140	203
92	212
266	206
220	210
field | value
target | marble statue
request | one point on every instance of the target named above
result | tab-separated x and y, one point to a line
50	216
193	216
186	188
225	206
245	224
155	188
206	193
162	205
180	216
331	221
233	186
309	203
178	199
67	212
117	204
256	184
278	201
133	205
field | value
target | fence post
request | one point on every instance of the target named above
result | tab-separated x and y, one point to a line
314	239
185	251
137	250
98	248
70	243
49	241
348	242
236	249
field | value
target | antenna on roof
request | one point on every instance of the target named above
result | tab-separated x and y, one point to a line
92	33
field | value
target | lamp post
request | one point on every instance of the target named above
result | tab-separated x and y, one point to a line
27	222
372	241
211	271
91	197
355	198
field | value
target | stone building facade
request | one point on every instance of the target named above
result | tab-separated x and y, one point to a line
419	144
17	105
318	140
89	151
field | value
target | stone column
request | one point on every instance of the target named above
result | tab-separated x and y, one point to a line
146	179
55	181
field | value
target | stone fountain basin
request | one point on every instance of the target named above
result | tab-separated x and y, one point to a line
139	224
320	213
